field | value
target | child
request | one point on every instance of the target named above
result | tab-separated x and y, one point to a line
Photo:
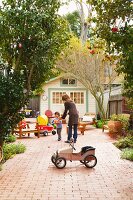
58	123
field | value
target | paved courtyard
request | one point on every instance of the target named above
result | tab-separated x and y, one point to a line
32	176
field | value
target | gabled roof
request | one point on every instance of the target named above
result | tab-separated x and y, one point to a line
57	77
53	79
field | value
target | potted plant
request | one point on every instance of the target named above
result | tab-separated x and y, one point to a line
118	124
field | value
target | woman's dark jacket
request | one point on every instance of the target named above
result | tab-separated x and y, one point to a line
70	109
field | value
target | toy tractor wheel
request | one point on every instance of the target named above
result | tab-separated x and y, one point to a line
82	161
53	159
60	163
45	133
53	132
90	161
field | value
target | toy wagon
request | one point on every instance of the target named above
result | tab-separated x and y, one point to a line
43	126
45	129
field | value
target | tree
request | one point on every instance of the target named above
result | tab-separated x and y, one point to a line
78	20
114	24
88	66
85	23
32	36
74	23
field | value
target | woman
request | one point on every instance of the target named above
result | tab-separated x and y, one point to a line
70	109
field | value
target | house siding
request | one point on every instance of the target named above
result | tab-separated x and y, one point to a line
91	104
115	91
55	85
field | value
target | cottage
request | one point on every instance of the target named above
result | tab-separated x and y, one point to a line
54	89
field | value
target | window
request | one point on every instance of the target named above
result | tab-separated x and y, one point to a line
77	97
57	97
72	81
68	81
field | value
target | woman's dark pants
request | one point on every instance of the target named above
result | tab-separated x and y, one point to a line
75	127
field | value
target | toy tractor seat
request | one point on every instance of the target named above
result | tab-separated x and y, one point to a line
86	148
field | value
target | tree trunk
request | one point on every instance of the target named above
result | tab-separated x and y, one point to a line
1	141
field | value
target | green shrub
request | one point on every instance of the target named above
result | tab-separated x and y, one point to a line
10	138
20	148
100	123
126	142
9	150
124	119
127	154
130	133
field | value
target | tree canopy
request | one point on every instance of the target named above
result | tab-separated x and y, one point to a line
32	36
74	23
92	67
114	24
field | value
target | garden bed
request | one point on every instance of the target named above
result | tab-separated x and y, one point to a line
10	149
125	144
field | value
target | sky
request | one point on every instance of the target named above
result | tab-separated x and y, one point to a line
65	9
72	7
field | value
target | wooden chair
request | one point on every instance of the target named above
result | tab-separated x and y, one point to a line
82	126
105	127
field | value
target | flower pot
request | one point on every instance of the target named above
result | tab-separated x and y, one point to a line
115	127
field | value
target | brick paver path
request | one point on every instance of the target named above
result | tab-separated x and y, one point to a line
32	176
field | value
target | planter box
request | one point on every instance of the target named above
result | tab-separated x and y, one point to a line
115	127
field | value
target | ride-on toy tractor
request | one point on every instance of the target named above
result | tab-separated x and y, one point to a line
86	156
